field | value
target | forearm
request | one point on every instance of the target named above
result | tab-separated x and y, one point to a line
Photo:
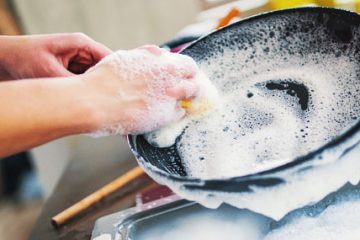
36	111
130	92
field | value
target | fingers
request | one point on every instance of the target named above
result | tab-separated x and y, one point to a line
97	50
175	64
185	70
89	53
180	69
81	62
82	41
78	51
155	78
183	90
153	49
181	66
59	72
63	72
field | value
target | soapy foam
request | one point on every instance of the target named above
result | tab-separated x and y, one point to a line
150	71
275	106
336	222
203	227
259	128
307	183
206	225
263	123
335	217
206	101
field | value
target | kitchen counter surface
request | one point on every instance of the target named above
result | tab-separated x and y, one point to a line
81	178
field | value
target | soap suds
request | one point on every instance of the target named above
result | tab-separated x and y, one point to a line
263	119
336	222
275	106
207	100
302	185
206	225
284	93
144	78
335	217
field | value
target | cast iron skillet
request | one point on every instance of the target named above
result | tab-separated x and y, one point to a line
165	162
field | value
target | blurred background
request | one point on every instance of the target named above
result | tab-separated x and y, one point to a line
28	179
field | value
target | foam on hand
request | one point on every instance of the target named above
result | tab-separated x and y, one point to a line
207	100
142	79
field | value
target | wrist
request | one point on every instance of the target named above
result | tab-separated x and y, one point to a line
6	54
82	112
102	99
64	105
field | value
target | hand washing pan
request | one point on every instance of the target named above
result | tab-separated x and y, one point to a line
331	27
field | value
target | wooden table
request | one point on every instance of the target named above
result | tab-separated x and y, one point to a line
80	179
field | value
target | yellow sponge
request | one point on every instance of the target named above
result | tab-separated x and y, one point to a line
207	98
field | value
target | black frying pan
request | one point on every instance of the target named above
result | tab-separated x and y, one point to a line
164	164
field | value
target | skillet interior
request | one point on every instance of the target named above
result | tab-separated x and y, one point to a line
238	37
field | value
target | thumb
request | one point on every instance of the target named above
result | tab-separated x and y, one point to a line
60	71
57	69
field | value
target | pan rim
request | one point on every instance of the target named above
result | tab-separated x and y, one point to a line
341	138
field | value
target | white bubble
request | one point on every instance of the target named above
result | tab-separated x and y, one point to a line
275	105
278	104
339	221
142	80
206	101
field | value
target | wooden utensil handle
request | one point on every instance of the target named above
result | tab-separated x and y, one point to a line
97	196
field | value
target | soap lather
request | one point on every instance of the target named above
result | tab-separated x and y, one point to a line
207	100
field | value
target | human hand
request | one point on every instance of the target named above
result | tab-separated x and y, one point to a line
139	90
53	55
